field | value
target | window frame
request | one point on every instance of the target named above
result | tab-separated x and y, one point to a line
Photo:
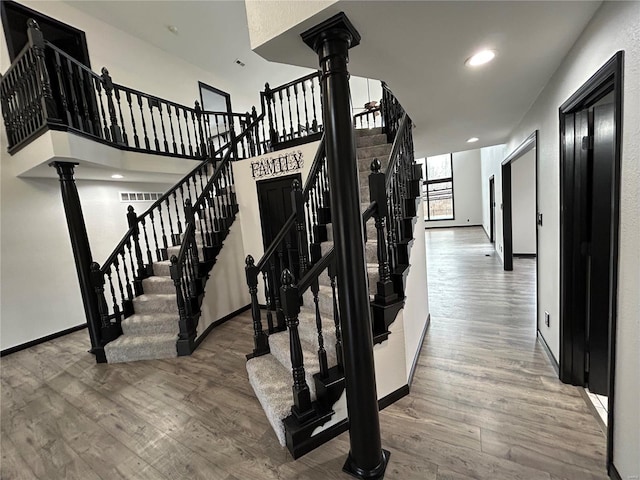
428	182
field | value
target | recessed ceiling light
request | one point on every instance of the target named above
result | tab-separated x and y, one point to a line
173	29
116	176
480	58
473	140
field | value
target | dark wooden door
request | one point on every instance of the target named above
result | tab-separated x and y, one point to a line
492	209
599	258
274	201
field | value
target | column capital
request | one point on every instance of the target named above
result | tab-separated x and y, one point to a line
65	169
337	26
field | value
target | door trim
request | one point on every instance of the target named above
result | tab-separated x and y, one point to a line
507	211
492	209
607	79
222	93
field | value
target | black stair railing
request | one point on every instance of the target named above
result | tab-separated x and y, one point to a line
369	118
293	110
173	220
45	88
296	247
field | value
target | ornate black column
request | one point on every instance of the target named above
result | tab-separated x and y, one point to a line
331	40
81	253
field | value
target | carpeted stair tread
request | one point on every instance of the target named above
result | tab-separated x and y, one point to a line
158	284
155	303
129	348
279	346
271	383
372	272
141	324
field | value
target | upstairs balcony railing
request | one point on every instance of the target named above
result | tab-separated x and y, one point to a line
45	88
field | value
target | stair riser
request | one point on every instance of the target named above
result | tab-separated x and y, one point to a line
140	352
161	270
371	140
377	151
149	328
157	305
167	286
366	132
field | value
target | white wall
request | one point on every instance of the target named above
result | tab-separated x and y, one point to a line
136	63
523	203
416	308
226	290
38	281
490	165
467	202
613	28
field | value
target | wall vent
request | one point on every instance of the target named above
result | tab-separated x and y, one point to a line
139	196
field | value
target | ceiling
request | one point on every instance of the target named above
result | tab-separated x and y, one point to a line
420	52
419	49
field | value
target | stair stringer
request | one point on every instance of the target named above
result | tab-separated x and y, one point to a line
225	290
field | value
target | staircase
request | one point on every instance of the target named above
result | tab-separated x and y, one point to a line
270	374
299	350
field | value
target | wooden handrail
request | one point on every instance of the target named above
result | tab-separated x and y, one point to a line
393	156
295	82
315	167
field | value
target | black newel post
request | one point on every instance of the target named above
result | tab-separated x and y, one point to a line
331	40
116	134
81	253
45	92
260	339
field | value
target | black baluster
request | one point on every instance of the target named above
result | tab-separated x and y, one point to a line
284	129
144	124
116	92
105	124
260	340
77	120
186	124
116	308
128	279
136	140
301	408
159	255
297	200
306	110
97	279
153	125
63	97
132	220
271	115
85	104
322	353
167	201
267	296
180	130
280	323
295	92
173	135
291	129
107	83
203	145
164	133
332	271
314	122
164	236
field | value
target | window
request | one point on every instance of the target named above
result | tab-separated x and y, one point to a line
438	187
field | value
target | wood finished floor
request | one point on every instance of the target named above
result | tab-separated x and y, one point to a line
485	403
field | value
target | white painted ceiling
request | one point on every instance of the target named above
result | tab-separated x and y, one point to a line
417	47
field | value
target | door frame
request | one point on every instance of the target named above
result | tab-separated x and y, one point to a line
222	93
492	209
40	18
609	78
507	202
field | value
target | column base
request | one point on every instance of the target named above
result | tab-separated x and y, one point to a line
376	474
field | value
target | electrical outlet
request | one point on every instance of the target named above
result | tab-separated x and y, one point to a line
547	318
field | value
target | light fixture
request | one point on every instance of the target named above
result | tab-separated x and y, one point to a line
480	58
473	140
116	176
173	29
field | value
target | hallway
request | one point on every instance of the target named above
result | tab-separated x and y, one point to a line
485	403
